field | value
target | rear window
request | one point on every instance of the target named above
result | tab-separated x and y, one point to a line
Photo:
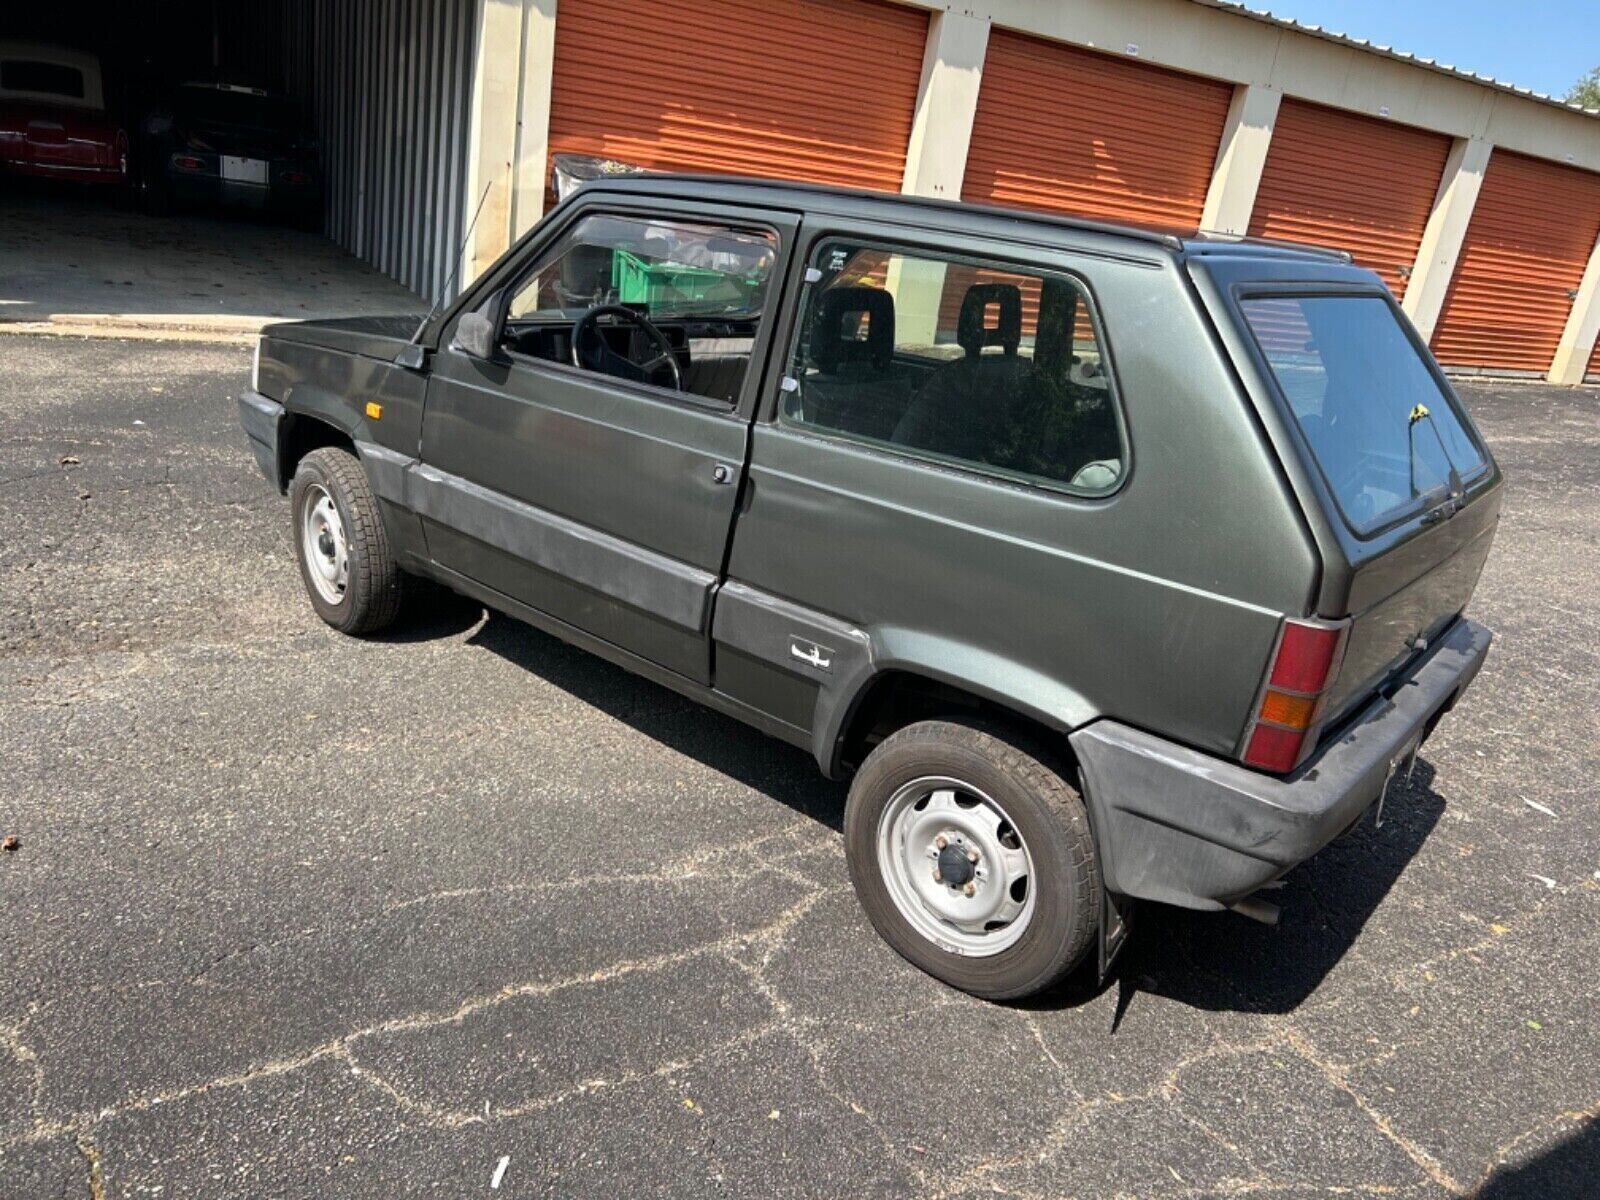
1384	433
45	78
228	106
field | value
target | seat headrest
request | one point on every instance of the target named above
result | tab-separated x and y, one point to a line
973	331
832	343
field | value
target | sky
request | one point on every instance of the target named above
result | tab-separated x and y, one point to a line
1545	45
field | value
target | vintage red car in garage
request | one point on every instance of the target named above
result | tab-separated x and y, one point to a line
53	119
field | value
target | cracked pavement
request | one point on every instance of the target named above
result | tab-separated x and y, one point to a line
295	915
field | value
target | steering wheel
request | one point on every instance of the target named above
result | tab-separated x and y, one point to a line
600	357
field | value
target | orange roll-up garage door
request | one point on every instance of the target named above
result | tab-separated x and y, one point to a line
1072	131
820	90
1350	183
1530	237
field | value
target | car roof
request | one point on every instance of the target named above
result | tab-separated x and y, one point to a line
899	207
86	63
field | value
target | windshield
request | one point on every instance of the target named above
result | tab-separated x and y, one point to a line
1385	434
666	269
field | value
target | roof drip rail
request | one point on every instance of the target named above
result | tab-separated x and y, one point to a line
646	182
1209	240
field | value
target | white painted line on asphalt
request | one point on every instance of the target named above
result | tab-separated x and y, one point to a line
499	1172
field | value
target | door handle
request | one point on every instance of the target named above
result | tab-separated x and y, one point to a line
722	473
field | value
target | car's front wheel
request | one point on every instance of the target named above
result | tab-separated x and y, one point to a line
341	545
973	858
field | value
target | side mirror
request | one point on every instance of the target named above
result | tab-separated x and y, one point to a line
474	335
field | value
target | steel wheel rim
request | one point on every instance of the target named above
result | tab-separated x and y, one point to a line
322	544
997	911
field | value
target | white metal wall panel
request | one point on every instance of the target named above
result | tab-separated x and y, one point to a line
388	84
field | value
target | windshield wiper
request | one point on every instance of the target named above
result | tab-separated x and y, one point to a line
1455	500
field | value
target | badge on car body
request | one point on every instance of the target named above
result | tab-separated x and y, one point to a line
813	655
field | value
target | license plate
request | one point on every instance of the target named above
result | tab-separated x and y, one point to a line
244	170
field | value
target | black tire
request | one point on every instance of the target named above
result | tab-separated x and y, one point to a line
372	592
1048	814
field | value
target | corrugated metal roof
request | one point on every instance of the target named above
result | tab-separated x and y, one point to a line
1329	35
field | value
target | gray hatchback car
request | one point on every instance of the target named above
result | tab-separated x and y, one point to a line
1104	564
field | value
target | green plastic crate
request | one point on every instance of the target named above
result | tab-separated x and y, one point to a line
639	282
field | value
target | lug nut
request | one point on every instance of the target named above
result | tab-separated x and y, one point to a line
938	876
941	841
971	889
972	856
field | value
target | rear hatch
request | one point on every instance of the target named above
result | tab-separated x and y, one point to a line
1407	493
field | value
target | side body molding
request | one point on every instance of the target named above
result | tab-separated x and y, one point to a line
671	590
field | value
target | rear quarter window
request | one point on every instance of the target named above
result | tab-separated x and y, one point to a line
41	78
1385	435
978	365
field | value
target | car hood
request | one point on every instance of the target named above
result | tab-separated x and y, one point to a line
372	337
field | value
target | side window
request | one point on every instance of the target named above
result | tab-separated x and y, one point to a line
979	366
675	304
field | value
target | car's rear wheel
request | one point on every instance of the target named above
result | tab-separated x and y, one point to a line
341	545
973	858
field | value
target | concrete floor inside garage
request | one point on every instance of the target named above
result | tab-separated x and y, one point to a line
76	263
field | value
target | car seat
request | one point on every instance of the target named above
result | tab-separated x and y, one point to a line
855	388
963	410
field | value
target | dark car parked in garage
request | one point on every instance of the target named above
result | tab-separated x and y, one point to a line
53	119
223	144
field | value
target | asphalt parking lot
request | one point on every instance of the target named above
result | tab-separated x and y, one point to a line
295	915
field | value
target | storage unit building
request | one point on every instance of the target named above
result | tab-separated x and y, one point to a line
1477	203
1532	233
1068	130
816	90
1350	182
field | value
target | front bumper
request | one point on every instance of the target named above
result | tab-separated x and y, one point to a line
261	417
1189	829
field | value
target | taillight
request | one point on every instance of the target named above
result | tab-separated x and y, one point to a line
1303	668
188	162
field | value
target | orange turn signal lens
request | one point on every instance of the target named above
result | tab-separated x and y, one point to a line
1293	712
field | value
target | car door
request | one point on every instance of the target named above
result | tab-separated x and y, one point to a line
602	494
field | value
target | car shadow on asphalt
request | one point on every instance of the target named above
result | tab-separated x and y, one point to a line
1566	1168
773	768
1226	962
1208	960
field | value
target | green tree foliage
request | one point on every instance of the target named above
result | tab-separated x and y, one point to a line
1586	91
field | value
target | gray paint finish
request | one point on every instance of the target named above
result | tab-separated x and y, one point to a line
653	583
776	574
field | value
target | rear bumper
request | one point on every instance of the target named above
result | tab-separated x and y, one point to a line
1185	828
261	418
209	190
